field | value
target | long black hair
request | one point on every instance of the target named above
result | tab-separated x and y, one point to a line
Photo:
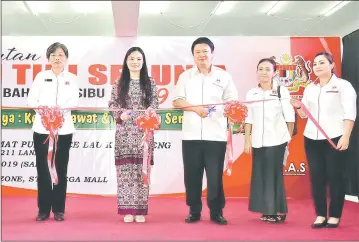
145	81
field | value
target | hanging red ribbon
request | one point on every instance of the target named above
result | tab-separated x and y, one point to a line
52	119
236	114
148	123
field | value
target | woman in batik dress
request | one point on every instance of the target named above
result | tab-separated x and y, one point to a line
134	90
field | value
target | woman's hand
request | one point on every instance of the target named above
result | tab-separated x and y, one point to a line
343	143
247	147
295	102
126	115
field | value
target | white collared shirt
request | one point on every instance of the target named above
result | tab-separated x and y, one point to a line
49	90
198	89
269	118
330	105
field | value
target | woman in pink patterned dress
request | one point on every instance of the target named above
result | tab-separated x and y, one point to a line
134	90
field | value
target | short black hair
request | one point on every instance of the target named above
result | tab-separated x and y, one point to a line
52	48
202	40
270	60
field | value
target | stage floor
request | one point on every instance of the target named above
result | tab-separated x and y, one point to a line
95	218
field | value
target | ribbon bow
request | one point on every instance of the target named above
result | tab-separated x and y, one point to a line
236	114
148	123
52	119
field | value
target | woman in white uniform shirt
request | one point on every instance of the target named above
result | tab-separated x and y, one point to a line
268	129
332	102
50	88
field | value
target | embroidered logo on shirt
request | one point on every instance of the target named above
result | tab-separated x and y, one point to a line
67	83
274	93
334	89
217	83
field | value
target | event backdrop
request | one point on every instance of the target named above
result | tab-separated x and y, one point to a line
97	61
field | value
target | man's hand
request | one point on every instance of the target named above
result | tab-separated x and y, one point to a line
201	111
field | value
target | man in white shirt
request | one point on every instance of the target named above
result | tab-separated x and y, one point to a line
55	87
204	129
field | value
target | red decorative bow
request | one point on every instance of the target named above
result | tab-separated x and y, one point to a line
236	113
148	123
52	119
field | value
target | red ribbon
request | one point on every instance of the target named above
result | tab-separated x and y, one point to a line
148	123
52	119
236	113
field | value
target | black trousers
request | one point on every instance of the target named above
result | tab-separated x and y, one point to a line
326	166
198	156
51	196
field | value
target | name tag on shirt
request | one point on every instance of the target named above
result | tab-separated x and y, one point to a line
48	80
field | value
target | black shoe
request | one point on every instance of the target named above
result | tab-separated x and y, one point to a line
319	225
276	218
332	226
264	217
59	216
42	216
219	219
193	218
